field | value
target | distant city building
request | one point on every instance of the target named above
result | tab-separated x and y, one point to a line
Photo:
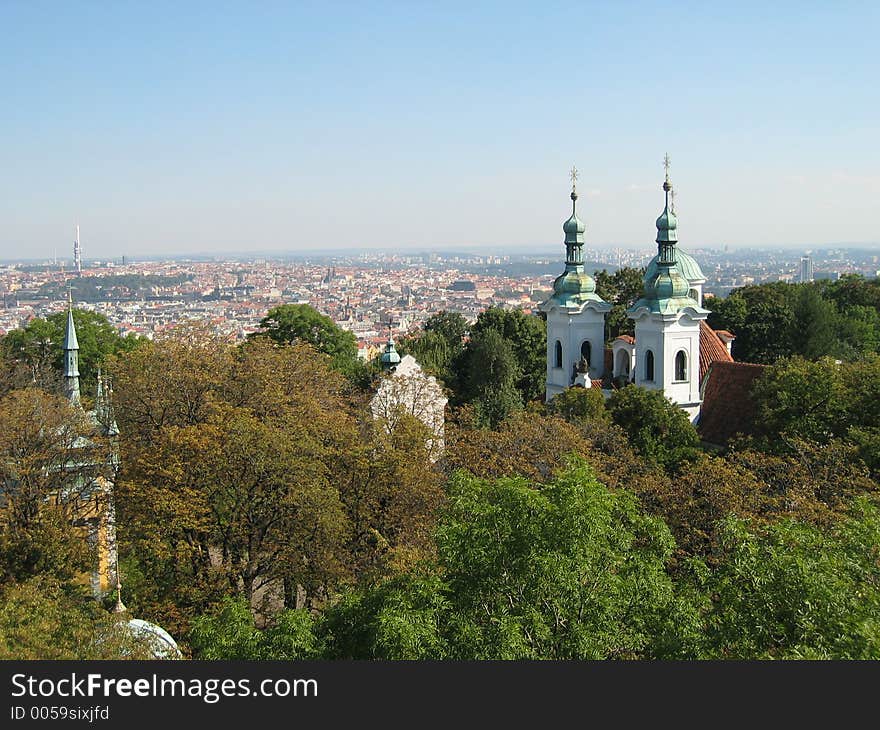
826	275
806	269
462	285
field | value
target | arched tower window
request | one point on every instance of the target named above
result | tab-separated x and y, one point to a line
558	358
622	363
649	365
681	366
585	350
694	294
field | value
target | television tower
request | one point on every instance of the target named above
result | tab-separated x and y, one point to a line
77	254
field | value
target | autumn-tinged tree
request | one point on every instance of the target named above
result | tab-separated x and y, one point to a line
246	472
581	406
228	482
45	469
808	481
168	382
391	496
696	500
525	444
44	619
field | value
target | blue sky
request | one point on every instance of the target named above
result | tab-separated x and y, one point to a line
190	127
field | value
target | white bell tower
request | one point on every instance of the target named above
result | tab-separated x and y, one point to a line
575	315
667	322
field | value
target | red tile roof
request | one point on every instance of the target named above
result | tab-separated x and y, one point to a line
629	339
712	349
728	408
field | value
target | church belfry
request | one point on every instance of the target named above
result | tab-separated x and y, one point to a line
575	314
71	356
667	320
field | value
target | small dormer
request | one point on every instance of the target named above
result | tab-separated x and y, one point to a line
727	338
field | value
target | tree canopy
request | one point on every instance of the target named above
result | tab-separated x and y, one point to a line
288	324
40	344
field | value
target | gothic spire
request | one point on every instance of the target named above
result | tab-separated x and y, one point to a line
71	356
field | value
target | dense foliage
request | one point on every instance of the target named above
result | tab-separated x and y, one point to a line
771	321
264	514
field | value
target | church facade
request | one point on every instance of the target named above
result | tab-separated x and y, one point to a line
673	347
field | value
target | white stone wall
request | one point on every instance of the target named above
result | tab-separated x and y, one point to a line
665	336
572	326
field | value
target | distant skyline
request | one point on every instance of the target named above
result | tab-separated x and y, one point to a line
208	127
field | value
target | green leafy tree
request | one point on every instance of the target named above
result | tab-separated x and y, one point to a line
853	290
761	317
658	429
400	618
288	324
230	633
492	373
858	330
526	336
567	570
432	351
41	343
794	591
815	324
801	398
451	326
620	289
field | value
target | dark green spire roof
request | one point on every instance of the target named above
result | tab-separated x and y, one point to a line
574	286
666	289
390	357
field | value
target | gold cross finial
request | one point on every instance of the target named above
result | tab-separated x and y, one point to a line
666	164
574	177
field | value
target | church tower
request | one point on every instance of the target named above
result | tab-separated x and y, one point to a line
575	315
667	321
71	357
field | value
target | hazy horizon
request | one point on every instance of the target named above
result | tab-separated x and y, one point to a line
521	251
203	129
